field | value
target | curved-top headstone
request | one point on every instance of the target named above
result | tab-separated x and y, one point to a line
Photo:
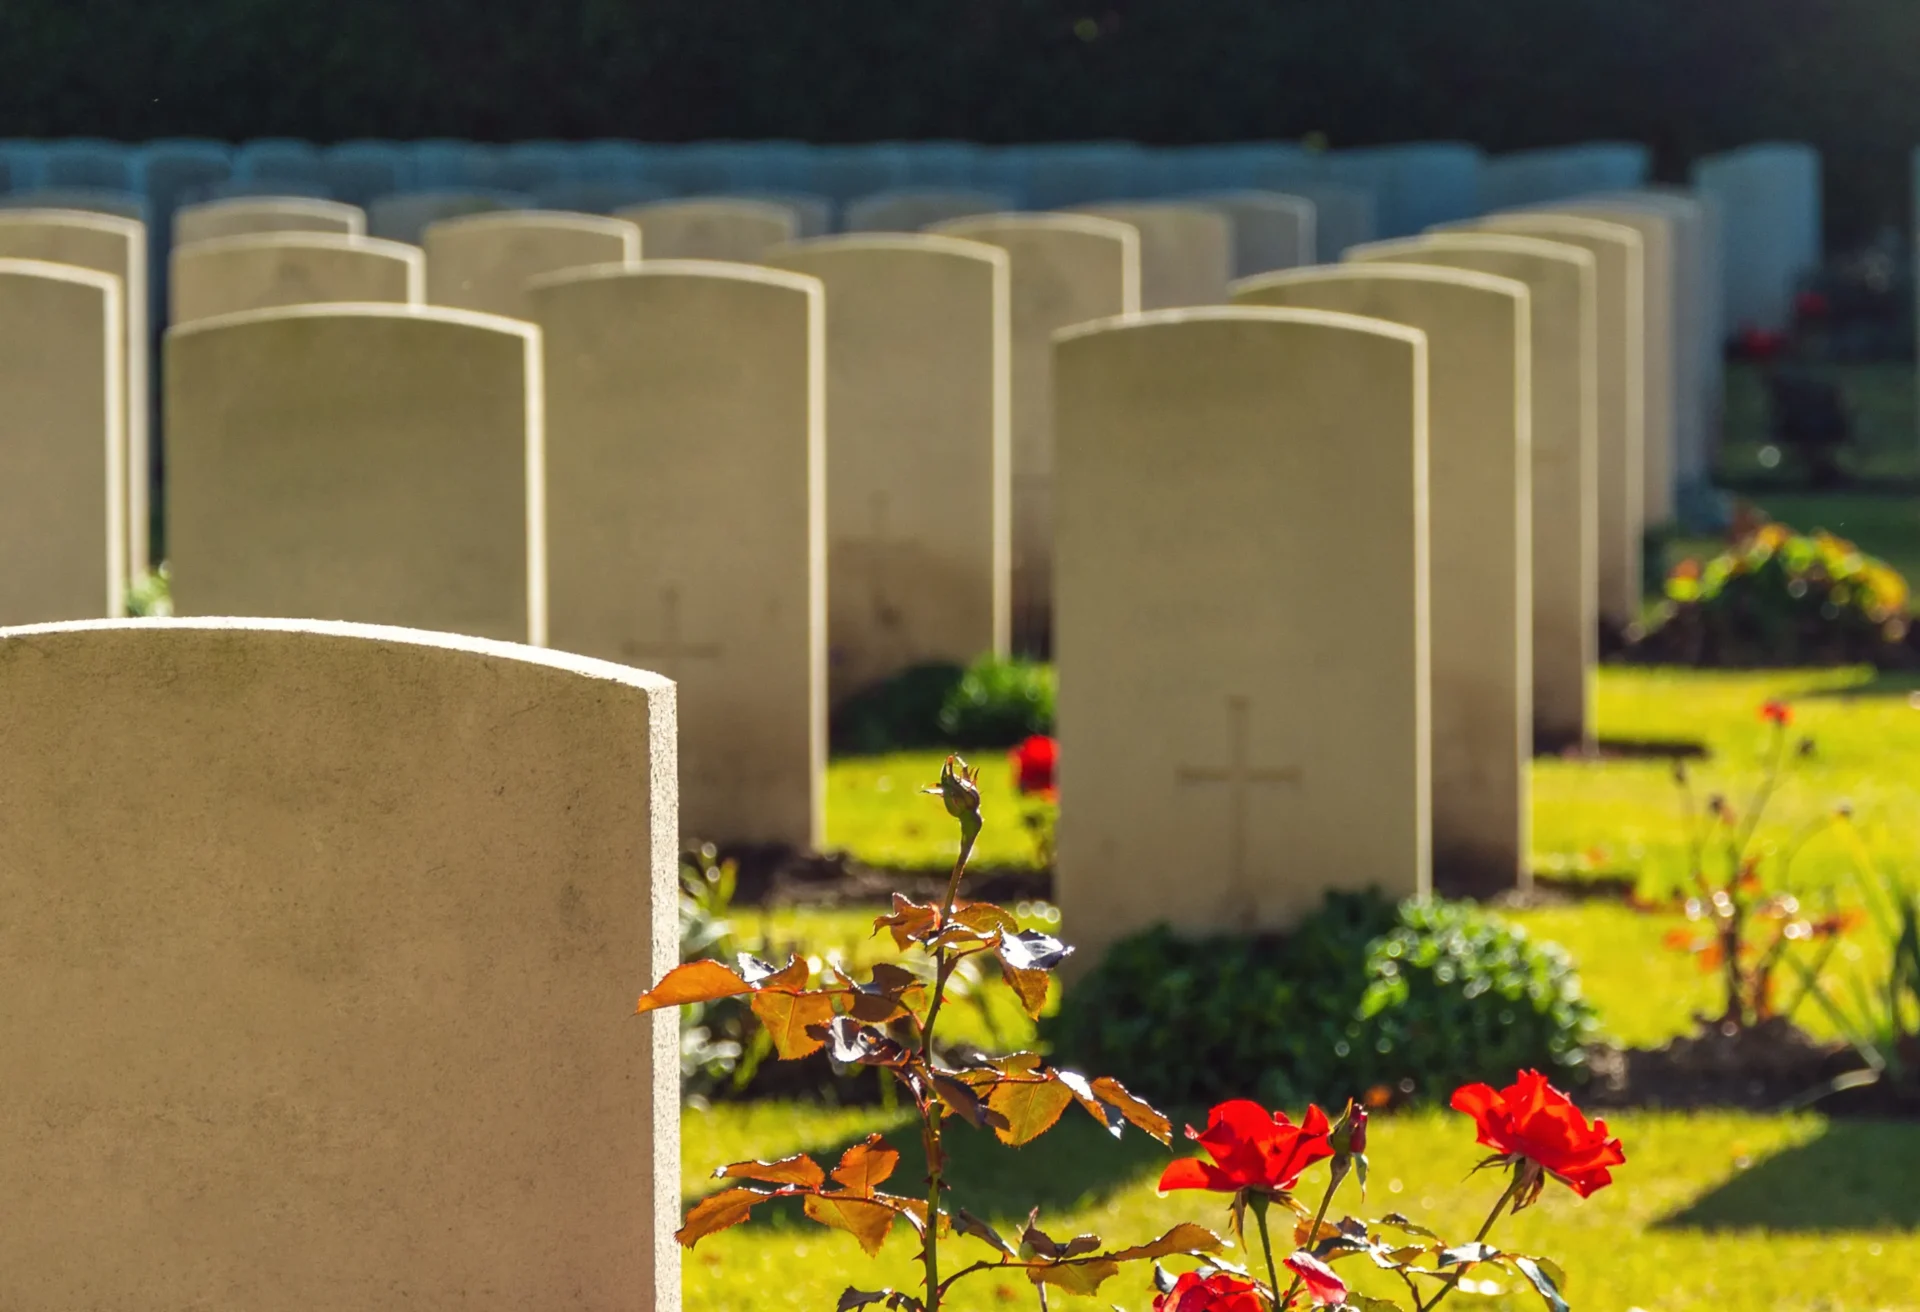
264	270
330	1012
91	200
63	503
1270	230
278	161
405	216
1668	348
1063	269
1416	184
243	215
917	450
1243	727
1620	318
88	162
173	169
913	210
1186	251
358	171
485	261
712	228
1561	281
116	246
1534	177
586	196
374	463
674	387
1768	195
812	214
1480	524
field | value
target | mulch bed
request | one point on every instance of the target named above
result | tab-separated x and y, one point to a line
1770	1067
778	876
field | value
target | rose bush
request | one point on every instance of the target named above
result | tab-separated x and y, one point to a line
1257	1157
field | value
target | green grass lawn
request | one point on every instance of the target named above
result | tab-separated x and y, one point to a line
1880	398
1714	1213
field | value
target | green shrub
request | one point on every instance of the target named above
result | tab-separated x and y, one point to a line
1781	598
999	702
1363	995
994	702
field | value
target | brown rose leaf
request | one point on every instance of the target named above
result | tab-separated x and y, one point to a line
864	1219
793	1020
1031	1107
1075	1277
799	1169
716	1212
697	981
866	1166
910	921
1142	1114
1186	1238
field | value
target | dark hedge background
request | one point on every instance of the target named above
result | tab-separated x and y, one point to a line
1686	76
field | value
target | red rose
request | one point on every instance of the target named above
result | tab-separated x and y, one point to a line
1251	1149
1811	305
1323	1286
1194	1292
1532	1119
1777	713
1033	762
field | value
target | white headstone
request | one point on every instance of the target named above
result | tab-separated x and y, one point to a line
1186	251
485	261
247	215
259	272
1769	199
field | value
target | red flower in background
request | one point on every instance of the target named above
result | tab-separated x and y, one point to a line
1033	763
1777	713
1533	1120
1194	1292
1759	344
1811	305
1251	1149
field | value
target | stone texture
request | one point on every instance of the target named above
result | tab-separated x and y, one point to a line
1186	251
1477	329
485	261
1768	195
1560	279
1620	282
406	216
673	389
245	216
911	210
1270	230
232	274
380	464
63	502
1064	269
116	246
917	450
1243	723
320	948
713	228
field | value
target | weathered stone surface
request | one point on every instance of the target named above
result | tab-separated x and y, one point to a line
260	272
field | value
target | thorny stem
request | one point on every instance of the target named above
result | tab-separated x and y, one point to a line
1333	1182
944	963
1513	1189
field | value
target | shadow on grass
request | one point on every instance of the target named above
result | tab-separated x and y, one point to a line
1858	1175
1884	683
1076	1165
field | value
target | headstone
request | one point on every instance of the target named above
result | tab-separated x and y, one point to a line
947	165
1534	177
917	450
1563	316
812	215
1698	341
241	217
1243	721
912	211
1076	174
278	162
1769	199
1270	231
116	246
263	271
584	197
528	166
405	217
485	261
88	163
1480	528
1668	356
712	229
613	161
173	169
1343	217
375	463
1620	318
360	171
63	497
235	189
1416	184
842	173
1186	251
316	946
447	164
91	200
676	388
26	162
1063	269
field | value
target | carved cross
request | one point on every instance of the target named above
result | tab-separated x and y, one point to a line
1239	776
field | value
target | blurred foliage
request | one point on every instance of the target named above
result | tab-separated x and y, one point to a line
1399	1003
1777	597
1688	79
994	702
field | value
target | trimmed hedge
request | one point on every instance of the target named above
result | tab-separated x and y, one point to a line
1687	78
